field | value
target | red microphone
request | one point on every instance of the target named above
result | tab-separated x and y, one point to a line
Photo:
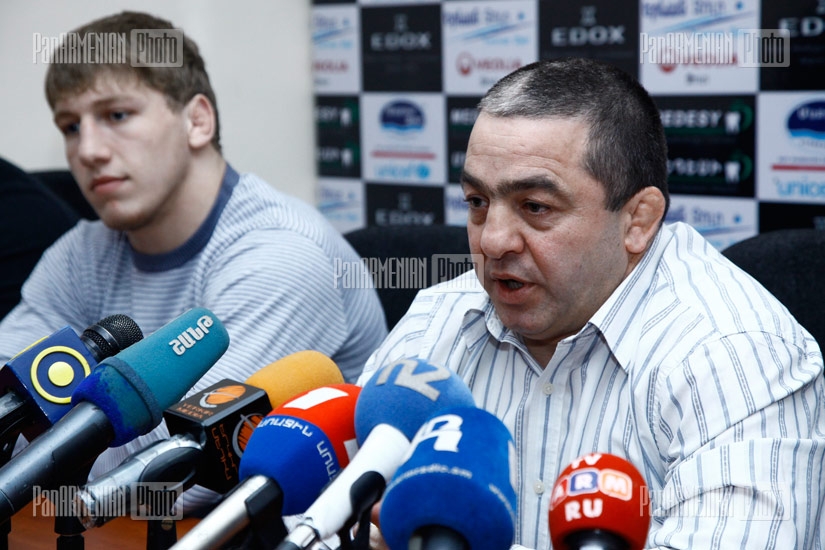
599	502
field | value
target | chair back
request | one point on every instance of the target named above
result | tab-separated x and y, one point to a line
406	259
791	264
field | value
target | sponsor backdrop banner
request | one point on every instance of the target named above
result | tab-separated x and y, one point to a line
740	85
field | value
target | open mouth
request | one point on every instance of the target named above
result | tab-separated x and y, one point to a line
512	284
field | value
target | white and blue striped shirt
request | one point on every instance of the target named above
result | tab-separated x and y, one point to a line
691	370
263	262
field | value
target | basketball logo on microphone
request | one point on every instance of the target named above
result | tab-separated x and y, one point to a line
56	371
243	431
221	396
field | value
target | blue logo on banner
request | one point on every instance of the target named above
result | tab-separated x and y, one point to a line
402	116
494	23
808	121
330	31
333	199
410	171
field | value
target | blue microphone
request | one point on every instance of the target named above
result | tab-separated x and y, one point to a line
122	398
392	406
456	489
37	384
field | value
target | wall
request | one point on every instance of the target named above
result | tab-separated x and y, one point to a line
396	85
258	58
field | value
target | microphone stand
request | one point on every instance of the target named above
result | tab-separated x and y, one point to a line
438	537
161	529
5	529
161	534
67	526
264	512
266	527
365	492
11	411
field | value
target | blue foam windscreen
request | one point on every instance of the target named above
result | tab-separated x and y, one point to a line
134	387
405	394
459	475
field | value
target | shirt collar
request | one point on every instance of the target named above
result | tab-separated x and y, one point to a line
188	250
480	318
618	318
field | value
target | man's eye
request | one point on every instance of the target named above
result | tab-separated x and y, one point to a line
69	129
118	115
535	207
474	202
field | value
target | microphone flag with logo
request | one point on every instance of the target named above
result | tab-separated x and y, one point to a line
599	501
295	450
37	383
222	418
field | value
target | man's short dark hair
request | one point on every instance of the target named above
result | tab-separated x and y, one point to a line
626	148
178	84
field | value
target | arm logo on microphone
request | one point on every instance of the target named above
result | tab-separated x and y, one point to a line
406	377
598	500
57	368
608	482
445	428
189	337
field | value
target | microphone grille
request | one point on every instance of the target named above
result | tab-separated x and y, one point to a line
111	335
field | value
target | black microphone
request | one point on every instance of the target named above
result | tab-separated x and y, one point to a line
37	383
201	449
122	398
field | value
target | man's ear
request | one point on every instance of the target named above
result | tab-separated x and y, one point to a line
200	121
643	212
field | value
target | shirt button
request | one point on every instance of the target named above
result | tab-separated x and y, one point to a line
548	389
539	487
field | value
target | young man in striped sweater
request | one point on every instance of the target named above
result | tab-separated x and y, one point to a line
180	227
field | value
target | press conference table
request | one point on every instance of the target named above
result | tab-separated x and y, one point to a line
35	533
